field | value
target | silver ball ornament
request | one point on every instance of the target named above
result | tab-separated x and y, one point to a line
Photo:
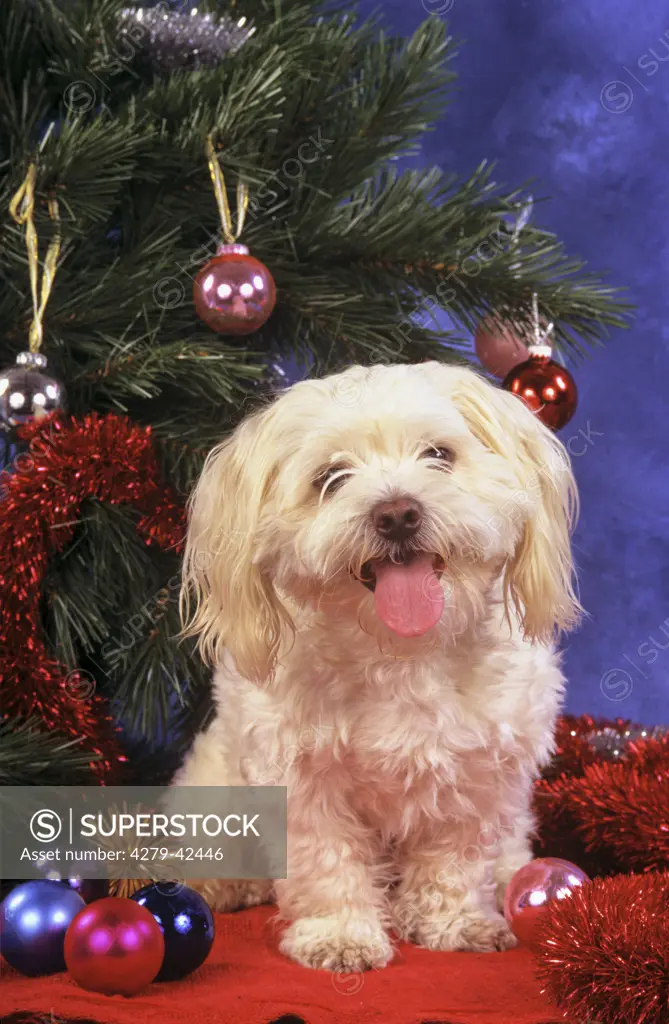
28	392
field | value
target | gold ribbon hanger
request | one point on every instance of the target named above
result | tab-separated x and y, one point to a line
222	196
22	209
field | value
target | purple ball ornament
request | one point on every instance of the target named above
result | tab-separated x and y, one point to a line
33	920
90	889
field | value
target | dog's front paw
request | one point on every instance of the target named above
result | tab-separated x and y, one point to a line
477	933
337	943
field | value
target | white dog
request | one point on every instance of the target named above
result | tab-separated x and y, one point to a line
377	563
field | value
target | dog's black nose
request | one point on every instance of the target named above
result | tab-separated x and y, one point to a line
397	520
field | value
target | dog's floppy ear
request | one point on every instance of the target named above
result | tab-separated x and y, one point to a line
539	576
227	598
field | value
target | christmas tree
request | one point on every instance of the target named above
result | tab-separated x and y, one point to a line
140	127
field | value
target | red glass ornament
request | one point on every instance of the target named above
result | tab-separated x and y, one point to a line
234	293
546	387
499	346
114	946
532	888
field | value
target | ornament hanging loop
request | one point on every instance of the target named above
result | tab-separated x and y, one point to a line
22	209
521	222
221	193
541	345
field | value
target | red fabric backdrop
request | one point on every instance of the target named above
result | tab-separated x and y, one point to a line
247	981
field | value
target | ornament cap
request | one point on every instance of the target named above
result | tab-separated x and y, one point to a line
31	359
540	351
232	249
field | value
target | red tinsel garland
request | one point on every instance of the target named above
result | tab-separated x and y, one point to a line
626	807
605	815
604	952
68	461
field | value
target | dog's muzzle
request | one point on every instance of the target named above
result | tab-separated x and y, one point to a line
368	570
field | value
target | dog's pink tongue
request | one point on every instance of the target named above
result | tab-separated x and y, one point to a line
408	598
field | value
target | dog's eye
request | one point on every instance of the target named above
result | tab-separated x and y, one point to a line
331	478
443	456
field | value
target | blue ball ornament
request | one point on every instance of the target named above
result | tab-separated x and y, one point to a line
33	920
187	924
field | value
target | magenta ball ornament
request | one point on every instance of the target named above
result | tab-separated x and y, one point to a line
234	293
533	888
114	946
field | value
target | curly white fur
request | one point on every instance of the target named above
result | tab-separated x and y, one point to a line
408	762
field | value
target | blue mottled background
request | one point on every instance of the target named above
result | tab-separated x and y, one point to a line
576	96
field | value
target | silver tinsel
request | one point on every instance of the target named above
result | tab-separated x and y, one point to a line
613	745
175	41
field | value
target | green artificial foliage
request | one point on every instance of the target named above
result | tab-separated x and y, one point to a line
52	761
313	113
